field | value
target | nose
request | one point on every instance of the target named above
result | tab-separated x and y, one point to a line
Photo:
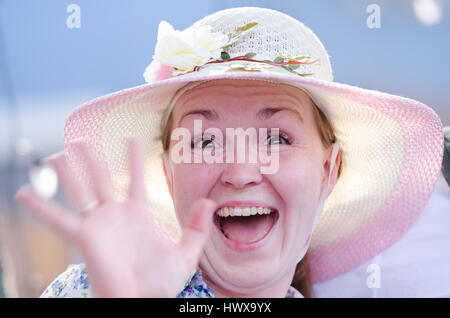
240	175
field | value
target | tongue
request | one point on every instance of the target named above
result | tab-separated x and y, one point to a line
246	229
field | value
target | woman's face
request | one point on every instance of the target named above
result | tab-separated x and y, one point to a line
245	253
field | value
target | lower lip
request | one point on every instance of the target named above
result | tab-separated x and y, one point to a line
246	247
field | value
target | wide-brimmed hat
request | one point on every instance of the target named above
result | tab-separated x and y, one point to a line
391	146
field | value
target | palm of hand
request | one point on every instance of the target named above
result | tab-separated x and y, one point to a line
124	254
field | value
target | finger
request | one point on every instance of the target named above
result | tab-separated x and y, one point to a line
100	177
65	222
196	230
75	191
136	160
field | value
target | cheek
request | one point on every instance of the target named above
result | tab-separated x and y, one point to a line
298	181
191	182
298	184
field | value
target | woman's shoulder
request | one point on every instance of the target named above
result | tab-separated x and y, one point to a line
72	283
196	287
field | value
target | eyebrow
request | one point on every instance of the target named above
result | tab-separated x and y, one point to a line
208	114
264	113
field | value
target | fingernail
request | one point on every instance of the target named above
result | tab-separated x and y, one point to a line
22	191
53	157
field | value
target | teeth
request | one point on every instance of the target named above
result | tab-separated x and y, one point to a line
246	211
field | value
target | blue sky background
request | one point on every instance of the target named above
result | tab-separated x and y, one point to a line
47	69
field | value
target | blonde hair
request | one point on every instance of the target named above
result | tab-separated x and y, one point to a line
302	277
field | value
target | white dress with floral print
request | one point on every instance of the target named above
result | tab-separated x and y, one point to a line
73	283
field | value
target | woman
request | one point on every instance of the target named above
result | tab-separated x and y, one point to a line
245	225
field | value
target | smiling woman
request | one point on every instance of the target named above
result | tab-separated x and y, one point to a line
154	226
232	100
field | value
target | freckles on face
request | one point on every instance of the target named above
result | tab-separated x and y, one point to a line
291	192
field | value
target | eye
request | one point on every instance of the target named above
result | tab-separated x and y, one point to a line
278	139
203	142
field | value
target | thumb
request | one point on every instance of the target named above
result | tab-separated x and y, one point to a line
196	230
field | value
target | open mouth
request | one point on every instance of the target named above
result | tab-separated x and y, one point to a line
245	225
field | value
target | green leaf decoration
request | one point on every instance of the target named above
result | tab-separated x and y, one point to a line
225	56
293	67
250	55
286	67
290	69
267	61
278	59
301	57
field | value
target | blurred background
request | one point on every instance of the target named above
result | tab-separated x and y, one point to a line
50	62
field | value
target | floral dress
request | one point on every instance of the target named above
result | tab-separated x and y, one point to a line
73	283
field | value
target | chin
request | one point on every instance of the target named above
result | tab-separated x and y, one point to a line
244	277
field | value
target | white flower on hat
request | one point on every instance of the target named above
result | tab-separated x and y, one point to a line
184	50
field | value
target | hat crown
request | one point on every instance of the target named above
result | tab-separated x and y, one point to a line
276	34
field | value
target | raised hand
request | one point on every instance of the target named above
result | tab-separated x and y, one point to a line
124	255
